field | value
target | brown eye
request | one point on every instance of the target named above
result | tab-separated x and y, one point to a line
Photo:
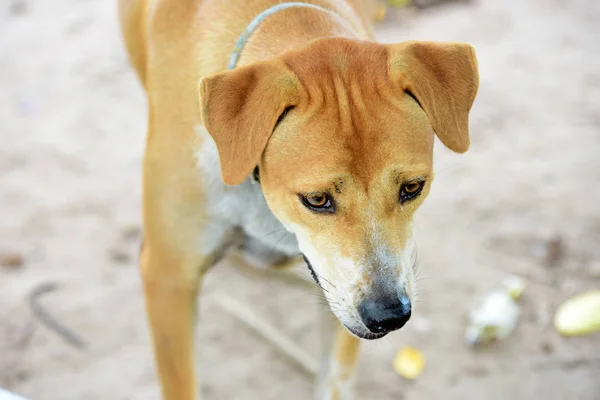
320	202
412	187
410	190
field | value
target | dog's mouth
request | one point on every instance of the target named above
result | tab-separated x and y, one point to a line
361	334
366	335
312	271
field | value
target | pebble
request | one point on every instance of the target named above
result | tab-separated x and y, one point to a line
119	256
12	260
554	250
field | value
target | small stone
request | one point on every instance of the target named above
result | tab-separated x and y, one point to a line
130	232
18	7
120	256
22	376
547	347
11	260
479	371
554	250
453	380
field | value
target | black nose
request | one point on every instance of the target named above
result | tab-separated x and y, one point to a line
382	316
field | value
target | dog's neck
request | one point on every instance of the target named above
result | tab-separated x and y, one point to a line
302	25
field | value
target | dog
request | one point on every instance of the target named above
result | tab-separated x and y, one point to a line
266	115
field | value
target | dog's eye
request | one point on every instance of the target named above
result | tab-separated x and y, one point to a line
320	202
410	190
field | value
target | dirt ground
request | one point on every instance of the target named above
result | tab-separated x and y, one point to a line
72	120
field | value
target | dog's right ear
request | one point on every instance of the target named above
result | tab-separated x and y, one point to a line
240	109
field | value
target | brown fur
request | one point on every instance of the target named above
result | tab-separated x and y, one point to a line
354	131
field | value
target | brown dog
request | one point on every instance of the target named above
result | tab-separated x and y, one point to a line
339	132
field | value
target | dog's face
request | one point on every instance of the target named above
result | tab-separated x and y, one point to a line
343	135
349	190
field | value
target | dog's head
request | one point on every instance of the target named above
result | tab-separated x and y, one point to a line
342	132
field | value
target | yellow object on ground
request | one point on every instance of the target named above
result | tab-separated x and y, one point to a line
380	12
381	9
409	363
580	315
399	3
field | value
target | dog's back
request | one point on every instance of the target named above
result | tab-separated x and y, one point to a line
137	18
132	18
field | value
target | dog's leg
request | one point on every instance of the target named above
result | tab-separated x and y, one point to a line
340	351
171	287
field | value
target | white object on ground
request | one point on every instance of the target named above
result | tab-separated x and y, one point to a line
497	315
4	395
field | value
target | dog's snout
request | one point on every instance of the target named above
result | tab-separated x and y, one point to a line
387	315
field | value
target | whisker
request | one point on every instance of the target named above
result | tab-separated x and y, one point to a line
326	280
390	341
272	232
415	260
423	278
321	278
312	281
454	165
273	249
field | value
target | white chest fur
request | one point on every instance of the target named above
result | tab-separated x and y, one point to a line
242	206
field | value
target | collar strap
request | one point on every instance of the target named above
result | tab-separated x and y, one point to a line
255	23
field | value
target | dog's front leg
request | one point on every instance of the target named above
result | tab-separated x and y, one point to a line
171	285
340	351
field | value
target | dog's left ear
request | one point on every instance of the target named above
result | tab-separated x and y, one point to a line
240	109
443	77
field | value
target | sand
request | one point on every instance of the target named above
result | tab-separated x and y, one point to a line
73	121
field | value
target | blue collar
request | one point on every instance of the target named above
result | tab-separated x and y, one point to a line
253	26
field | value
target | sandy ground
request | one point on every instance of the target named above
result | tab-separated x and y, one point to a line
73	119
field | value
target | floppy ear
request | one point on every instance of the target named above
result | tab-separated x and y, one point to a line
443	77
240	109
